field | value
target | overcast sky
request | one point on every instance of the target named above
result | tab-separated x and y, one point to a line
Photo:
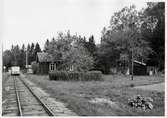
27	21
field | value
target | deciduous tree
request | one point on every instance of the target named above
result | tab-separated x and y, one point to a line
153	30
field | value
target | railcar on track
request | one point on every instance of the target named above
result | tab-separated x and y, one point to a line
15	70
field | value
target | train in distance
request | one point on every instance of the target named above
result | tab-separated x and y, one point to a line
15	70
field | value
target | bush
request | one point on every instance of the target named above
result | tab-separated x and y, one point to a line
75	76
144	103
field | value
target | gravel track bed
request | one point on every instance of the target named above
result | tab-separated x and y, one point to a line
57	107
29	105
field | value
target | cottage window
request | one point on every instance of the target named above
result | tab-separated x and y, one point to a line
52	67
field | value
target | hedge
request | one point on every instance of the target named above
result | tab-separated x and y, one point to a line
76	76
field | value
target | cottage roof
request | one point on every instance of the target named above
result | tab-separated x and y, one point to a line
140	62
44	57
135	61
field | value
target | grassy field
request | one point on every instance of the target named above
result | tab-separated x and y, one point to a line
78	94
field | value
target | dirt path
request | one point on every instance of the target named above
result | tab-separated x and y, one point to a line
154	87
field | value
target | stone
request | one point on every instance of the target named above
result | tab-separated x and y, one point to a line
150	106
149	99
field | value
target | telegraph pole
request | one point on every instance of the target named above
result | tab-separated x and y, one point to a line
132	65
132	68
26	58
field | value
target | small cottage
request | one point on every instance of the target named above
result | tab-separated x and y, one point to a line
45	63
139	68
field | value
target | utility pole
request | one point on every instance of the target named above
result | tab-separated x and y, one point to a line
132	65
132	68
26	58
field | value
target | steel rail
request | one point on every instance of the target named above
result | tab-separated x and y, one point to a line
48	111
17	97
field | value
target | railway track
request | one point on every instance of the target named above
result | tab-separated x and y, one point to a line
23	101
25	98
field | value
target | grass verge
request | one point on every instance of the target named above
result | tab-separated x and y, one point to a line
77	95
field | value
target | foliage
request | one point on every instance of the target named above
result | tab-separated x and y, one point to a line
128	37
153	30
79	58
7	58
130	40
71	51
46	45
124	37
106	57
126	18
31	54
59	47
37	49
23	56
91	46
17	55
75	76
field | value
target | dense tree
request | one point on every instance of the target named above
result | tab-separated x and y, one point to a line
153	30
7	58
28	53
79	58
37	49
59	47
107	54
91	46
31	54
124	37
32	47
126	18
105	59
46	45
28	47
70	49
22	56
16	55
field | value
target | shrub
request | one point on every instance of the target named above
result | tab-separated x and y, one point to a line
75	76
92	75
144	103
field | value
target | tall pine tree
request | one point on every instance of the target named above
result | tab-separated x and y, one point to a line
46	46
37	49
22	56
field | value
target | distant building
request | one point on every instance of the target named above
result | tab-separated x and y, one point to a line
139	68
45	63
